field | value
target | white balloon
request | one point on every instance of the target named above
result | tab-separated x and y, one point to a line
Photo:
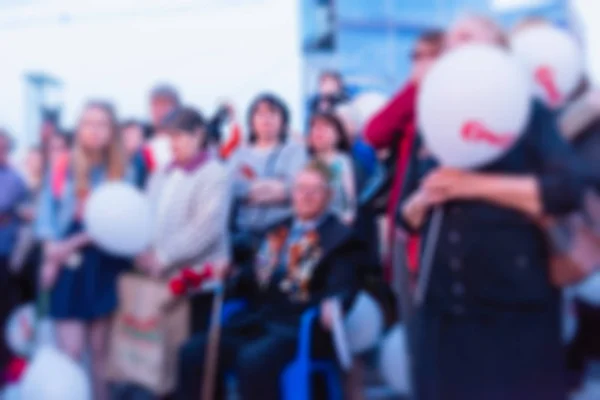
588	291
364	324
473	105
19	331
117	217
393	360
553	59
54	376
366	105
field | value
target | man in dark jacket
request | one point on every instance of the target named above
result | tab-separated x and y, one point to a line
331	93
12	196
303	261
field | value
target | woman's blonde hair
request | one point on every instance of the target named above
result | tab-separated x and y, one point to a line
497	32
113	156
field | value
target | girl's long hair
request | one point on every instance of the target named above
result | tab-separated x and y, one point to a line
113	156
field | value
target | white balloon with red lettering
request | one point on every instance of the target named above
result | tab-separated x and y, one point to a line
19	331
25	330
553	59
117	217
473	105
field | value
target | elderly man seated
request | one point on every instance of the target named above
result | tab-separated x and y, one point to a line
303	261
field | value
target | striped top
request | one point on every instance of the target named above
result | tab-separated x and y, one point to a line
191	209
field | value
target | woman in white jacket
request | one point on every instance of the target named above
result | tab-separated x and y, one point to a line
191	201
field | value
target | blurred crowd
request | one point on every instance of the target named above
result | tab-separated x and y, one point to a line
299	227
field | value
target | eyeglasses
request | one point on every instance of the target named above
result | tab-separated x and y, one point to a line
422	55
310	190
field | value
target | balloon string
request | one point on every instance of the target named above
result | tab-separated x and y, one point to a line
427	260
43	304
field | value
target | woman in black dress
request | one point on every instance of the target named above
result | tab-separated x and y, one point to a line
489	327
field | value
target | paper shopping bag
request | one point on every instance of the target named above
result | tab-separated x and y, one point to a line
149	328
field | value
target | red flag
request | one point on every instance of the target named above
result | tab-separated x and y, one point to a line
60	169
232	143
149	160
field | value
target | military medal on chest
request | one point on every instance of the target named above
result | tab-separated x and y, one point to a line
303	258
269	258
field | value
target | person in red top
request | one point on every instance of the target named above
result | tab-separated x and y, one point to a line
393	129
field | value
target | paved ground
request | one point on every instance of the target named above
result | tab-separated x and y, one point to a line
376	390
590	390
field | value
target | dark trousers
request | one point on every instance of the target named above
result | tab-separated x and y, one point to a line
585	345
254	350
27	278
8	300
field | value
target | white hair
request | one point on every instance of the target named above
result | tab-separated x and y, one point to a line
486	21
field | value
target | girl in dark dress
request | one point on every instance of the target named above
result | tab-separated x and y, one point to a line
489	327
82	277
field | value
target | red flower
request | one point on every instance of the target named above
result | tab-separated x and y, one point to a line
191	277
15	369
177	286
207	272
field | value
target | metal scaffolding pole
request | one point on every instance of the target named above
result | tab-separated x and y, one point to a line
39	103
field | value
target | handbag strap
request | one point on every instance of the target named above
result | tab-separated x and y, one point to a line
272	161
270	168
